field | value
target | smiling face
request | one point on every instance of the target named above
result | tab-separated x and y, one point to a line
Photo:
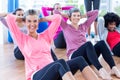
31	22
111	26
75	17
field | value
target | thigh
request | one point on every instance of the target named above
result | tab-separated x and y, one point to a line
101	48
88	5
81	51
76	64
96	4
45	73
116	50
97	49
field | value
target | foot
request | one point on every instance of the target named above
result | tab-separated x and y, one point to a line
104	75
96	38
89	38
115	72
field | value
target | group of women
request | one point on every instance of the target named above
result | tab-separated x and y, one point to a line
36	47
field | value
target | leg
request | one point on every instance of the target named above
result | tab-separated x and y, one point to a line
101	47
87	51
95	27
116	50
59	42
59	69
96	5
89	29
18	54
53	55
88	7
80	63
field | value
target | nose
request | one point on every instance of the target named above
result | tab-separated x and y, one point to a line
32	23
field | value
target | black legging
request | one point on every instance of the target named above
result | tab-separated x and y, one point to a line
53	71
74	64
101	48
77	63
53	55
57	69
116	50
59	42
18	54
91	54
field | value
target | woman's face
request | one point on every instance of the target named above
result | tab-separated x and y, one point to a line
111	26
75	17
58	7
20	13
31	22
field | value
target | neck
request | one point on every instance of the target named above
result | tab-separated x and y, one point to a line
76	26
34	35
111	30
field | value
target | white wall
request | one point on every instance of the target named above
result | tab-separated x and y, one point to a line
3	30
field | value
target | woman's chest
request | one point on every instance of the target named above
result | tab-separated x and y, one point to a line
33	46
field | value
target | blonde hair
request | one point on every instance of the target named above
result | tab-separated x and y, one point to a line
30	12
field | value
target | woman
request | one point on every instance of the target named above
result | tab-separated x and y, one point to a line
18	12
36	50
109	31
77	45
59	40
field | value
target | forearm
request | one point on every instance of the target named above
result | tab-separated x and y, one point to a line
67	7
19	19
91	16
48	8
46	19
62	14
3	14
45	9
2	19
92	13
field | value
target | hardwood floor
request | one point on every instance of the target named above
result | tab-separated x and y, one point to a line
12	69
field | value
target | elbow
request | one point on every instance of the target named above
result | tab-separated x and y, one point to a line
96	11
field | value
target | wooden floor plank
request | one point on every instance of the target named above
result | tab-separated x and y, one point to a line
12	69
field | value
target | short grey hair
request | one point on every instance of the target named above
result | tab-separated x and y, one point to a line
72	10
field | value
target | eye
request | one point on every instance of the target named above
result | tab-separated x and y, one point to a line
58	8
21	14
35	20
74	15
18	14
29	20
78	15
